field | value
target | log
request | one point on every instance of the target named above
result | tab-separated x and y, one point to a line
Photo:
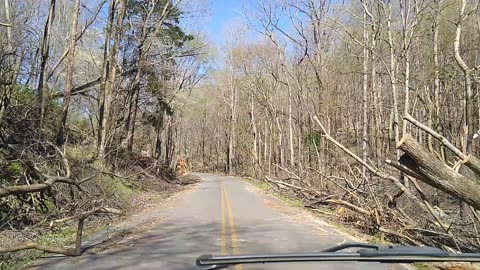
439	175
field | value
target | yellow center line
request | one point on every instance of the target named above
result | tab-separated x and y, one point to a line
223	244
233	231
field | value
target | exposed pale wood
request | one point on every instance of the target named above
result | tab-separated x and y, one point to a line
350	206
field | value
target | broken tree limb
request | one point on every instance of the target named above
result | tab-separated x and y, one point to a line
349	206
440	175
77	250
22	189
400	235
470	161
86	214
82	89
429	206
281	183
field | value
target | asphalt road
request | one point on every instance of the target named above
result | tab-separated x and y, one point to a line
222	215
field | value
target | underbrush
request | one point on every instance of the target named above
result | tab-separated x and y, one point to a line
115	183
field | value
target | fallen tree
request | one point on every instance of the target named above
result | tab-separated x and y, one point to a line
418	163
437	174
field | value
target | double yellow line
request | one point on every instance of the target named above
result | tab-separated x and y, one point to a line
228	214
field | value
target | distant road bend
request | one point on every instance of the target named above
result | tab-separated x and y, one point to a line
222	215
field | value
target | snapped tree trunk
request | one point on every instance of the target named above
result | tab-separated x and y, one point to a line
438	174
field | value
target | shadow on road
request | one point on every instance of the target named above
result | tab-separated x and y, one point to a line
172	245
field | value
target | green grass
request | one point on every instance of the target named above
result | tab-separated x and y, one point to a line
261	185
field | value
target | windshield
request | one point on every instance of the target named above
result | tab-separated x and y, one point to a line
249	134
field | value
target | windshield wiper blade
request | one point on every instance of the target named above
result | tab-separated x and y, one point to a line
366	253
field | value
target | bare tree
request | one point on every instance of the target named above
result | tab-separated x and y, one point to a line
70	70
42	81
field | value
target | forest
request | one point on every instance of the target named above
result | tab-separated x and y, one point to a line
89	96
366	111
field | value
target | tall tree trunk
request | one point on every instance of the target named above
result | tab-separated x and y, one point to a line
105	70
434	112
42	82
375	92
159	131
409	25
110	79
4	99
133	115
467	96
232	123
290	127
32	74
254	135
365	93
467	132
69	78
393	78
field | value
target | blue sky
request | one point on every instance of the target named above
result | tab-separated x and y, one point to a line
222	13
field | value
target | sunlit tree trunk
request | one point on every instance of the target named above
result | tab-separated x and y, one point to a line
42	82
69	78
467	96
232	124
393	78
254	135
101	133
365	92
